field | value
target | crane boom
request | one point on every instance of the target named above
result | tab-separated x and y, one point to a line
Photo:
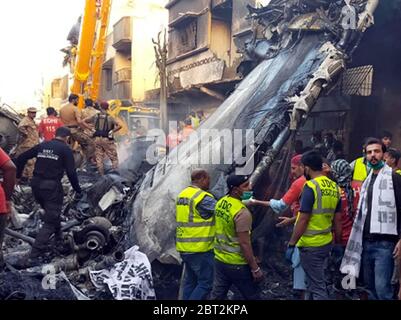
98	55
91	47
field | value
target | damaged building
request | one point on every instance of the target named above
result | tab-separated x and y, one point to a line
205	38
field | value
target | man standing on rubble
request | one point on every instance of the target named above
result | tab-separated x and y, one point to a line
70	115
89	130
7	168
28	137
235	263
195	235
320	207
105	146
53	158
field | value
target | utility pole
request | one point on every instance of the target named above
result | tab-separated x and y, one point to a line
161	63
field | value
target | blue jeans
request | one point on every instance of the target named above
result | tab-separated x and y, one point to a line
198	278
378	267
237	275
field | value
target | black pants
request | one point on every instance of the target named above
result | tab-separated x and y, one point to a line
49	194
240	276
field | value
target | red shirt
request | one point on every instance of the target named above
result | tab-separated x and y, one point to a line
186	132
48	127
293	194
346	220
4	158
173	139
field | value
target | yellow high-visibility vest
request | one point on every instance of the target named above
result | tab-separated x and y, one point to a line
360	172
193	233
319	229
226	247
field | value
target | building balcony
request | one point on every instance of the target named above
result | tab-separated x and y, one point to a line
123	89
122	36
123	74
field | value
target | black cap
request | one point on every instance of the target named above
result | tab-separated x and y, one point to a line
234	180
63	132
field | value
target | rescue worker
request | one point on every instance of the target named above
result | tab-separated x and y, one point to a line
360	171
292	196
89	130
28	137
290	199
187	130
8	170
173	139
70	115
49	125
53	158
195	235
235	263
320	208
105	146
88	112
201	116
195	121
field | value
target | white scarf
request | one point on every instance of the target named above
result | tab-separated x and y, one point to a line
383	218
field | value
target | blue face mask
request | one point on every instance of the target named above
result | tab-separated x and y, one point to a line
377	166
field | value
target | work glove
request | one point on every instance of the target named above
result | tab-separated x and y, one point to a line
289	252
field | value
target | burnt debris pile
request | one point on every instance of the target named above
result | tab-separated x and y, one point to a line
93	259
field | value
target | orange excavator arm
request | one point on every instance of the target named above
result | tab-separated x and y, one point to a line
100	48
89	60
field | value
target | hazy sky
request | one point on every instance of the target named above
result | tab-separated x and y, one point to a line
32	34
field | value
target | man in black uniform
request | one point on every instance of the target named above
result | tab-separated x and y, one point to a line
53	158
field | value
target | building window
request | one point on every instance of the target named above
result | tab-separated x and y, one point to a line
108	75
187	34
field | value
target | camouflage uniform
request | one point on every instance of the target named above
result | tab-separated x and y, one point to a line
28	138
104	147
88	133
86	142
70	115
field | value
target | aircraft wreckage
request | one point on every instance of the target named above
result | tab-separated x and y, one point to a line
297	52
300	49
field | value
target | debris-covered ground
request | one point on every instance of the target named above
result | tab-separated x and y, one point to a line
94	260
